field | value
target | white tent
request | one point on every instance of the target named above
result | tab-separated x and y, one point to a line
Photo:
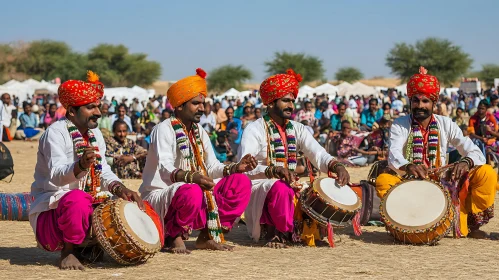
402	89
230	93
327	89
361	89
343	88
305	91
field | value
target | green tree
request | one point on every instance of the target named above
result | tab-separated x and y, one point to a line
489	73
441	57
309	67
228	76
117	67
348	74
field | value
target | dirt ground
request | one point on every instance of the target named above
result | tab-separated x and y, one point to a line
373	255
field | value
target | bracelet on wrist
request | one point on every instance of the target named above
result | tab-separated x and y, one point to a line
186	175
81	167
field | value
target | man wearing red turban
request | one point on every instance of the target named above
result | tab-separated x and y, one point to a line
418	143
275	141
70	173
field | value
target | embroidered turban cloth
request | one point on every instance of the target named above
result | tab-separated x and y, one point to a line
78	93
425	84
187	88
277	86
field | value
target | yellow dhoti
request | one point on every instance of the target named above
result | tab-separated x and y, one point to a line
478	207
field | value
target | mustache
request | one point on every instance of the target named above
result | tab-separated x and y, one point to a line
288	110
94	117
421	110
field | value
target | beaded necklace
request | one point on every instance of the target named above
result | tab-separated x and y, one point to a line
416	146
193	160
92	182
276	151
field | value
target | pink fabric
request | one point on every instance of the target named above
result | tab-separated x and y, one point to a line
69	222
187	210
279	207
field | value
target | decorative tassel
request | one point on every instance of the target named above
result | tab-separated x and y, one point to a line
357	229
92	77
330	235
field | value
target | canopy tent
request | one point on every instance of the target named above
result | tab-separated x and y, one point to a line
343	88
361	89
402	89
305	91
327	89
230	93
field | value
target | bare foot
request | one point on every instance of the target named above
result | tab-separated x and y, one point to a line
276	242
176	246
204	242
70	262
478	234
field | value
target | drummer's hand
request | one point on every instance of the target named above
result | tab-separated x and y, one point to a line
247	163
418	171
343	176
88	157
130	195
205	182
284	174
459	170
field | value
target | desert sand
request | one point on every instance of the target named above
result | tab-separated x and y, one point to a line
373	255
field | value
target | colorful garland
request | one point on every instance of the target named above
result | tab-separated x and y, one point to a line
416	141
193	160
92	183
276	152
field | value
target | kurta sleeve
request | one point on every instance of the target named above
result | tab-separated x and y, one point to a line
107	176
251	143
398	137
164	146
55	155
213	166
312	150
464	145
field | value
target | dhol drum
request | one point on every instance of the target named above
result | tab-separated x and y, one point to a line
327	202
417	212
15	206
127	234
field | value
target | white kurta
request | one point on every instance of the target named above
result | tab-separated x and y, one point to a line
449	134
54	175
255	142
163	158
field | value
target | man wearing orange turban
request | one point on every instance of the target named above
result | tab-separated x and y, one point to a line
180	170
65	189
419	141
275	141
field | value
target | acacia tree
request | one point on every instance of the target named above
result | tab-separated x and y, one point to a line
441	57
228	76
348	74
488	73
309	67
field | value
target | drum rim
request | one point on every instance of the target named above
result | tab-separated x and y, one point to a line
435	223
329	201
147	246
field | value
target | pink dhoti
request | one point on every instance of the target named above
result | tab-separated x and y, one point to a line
187	210
68	223
279	207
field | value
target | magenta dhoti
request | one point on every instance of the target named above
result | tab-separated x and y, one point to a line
69	222
279	207
187	210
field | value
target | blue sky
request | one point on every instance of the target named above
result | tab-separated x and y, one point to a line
184	35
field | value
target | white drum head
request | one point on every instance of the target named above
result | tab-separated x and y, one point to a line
141	224
415	203
342	195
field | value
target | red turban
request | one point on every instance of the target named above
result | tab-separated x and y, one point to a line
425	84
277	86
78	93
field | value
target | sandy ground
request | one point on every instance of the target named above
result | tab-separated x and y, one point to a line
373	255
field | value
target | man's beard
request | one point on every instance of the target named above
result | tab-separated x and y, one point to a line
197	117
281	113
421	117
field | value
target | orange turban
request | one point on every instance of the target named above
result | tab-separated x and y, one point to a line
425	84
78	93
277	86
187	88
